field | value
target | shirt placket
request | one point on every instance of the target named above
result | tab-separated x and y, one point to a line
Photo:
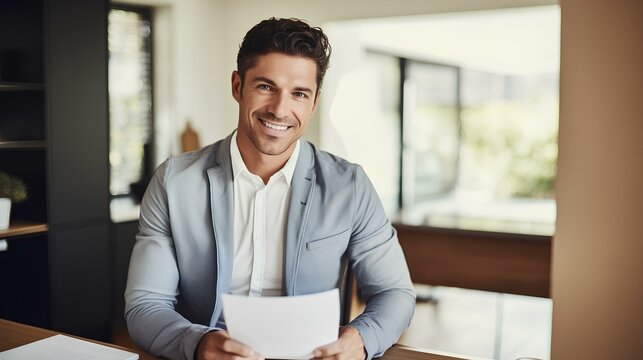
258	242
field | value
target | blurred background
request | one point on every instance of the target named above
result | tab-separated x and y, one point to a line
506	149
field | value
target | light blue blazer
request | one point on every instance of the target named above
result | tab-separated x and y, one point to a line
182	260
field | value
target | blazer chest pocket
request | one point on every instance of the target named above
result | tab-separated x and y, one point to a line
328	240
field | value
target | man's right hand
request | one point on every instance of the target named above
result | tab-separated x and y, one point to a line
218	345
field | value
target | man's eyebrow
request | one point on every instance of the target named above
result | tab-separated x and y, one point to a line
303	89
264	79
272	83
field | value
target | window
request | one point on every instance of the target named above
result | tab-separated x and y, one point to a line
479	148
470	101
130	100
430	119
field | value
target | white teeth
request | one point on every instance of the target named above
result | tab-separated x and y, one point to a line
276	127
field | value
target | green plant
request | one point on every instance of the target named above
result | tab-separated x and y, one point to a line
12	187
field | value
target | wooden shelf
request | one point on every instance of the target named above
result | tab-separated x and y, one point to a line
23	144
19	228
20	86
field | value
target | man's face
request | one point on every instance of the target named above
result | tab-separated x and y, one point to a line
276	101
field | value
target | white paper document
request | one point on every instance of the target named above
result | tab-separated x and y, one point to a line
284	327
61	347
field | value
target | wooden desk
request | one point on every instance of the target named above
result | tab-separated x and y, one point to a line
13	334
402	352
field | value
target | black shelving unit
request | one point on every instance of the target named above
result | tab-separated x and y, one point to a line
24	144
56	270
17	86
24	261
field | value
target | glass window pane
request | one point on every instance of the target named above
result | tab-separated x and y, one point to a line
509	126
130	98
431	131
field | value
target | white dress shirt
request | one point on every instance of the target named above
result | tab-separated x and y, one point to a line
260	215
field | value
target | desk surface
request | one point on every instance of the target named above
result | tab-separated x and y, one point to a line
13	334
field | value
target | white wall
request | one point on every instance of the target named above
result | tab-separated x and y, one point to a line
597	277
163	83
197	67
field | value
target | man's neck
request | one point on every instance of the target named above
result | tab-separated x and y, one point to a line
260	164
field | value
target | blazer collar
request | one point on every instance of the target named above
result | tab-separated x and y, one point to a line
301	196
222	217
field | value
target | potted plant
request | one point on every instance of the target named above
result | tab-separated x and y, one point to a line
12	189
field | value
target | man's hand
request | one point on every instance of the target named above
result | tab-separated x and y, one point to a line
349	345
218	345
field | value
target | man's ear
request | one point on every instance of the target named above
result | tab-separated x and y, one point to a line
236	85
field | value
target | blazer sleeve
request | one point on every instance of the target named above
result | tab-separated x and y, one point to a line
152	281
380	271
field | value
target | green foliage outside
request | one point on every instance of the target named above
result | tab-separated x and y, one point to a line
512	146
12	187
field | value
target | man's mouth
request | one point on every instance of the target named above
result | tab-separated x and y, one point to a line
274	126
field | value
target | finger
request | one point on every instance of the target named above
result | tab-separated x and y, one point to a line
220	355
232	346
328	350
224	345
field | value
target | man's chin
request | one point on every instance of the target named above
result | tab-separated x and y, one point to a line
273	149
273	152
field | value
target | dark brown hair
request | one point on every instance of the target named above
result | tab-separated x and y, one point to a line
287	36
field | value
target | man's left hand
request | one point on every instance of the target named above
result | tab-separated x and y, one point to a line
349	345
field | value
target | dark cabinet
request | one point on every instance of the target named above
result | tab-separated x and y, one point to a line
24	294
54	136
24	260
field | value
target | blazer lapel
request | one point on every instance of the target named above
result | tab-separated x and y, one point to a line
301	195
222	212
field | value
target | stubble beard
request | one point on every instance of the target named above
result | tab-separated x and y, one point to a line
264	145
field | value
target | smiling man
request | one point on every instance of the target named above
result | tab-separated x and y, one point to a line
264	213
277	98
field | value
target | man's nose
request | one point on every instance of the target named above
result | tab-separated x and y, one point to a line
278	105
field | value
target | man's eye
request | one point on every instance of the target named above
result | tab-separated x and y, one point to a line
263	87
300	94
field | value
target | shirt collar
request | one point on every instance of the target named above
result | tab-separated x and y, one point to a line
239	167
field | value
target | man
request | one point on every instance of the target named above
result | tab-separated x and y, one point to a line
263	213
